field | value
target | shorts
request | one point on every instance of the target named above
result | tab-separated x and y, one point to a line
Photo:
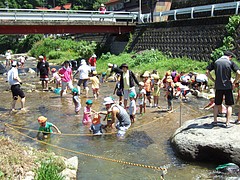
17	91
44	78
229	100
67	84
126	93
141	101
84	82
148	93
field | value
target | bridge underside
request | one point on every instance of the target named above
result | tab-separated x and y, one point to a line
62	29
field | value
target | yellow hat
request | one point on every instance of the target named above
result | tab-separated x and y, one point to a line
156	77
146	74
42	119
94	72
169	80
211	96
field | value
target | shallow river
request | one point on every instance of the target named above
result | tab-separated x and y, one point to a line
146	143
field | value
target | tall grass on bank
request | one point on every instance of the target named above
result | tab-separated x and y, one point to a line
151	60
49	170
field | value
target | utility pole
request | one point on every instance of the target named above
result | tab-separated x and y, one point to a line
140	11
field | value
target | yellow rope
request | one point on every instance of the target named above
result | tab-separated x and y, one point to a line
90	155
84	134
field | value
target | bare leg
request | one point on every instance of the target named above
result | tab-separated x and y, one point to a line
22	103
46	84
61	92
215	113
125	103
42	84
13	104
229	114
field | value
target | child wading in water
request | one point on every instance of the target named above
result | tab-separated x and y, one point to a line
142	98
132	106
45	127
96	126
87	114
156	90
169	95
56	78
95	84
76	100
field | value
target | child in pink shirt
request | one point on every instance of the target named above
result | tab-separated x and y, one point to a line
87	114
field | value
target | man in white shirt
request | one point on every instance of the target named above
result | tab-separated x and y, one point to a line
84	71
15	81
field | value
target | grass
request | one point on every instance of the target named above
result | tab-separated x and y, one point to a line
17	159
151	60
48	170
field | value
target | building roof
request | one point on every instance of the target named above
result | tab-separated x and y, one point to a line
112	2
67	6
57	8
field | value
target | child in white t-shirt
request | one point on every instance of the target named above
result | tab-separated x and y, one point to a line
56	77
132	106
141	95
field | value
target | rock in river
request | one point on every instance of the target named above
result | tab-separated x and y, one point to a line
200	140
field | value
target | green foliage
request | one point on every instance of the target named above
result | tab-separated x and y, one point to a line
228	41
151	60
127	47
59	49
26	44
49	170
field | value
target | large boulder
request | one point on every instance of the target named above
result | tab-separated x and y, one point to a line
200	140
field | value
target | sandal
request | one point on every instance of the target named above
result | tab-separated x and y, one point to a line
214	123
237	122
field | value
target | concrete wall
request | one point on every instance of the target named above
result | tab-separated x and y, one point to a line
195	38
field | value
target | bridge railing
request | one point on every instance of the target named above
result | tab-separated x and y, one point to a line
192	10
65	15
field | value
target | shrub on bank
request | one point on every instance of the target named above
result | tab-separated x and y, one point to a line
59	50
49	170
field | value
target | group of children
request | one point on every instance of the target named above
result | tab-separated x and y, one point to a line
148	90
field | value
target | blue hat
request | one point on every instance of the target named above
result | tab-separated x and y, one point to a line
75	90
89	101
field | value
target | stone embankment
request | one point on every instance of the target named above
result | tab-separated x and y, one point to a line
200	140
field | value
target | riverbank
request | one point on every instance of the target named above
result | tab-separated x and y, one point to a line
19	161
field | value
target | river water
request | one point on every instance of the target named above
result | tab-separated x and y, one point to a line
146	143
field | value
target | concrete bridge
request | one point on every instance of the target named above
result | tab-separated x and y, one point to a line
34	21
